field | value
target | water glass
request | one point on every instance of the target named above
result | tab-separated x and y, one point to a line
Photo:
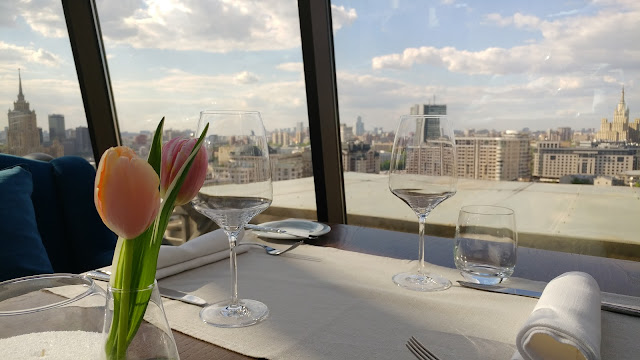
486	243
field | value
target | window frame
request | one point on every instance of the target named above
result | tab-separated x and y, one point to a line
85	36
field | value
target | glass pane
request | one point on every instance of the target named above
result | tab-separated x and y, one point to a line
39	85
175	59
543	97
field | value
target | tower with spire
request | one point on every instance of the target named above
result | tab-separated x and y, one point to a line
23	136
620	129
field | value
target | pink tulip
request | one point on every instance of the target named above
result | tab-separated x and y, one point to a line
174	154
126	192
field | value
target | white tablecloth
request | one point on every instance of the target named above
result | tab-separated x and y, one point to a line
346	307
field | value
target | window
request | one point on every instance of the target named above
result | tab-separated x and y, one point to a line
391	56
503	71
176	59
38	84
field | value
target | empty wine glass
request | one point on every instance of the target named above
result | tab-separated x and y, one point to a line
422	173
237	188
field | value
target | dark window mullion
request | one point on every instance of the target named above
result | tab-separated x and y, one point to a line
322	105
93	74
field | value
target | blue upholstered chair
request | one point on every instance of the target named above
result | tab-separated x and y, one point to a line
48	220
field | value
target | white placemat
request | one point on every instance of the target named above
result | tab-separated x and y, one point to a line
347	307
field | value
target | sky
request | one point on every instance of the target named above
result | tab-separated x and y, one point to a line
496	64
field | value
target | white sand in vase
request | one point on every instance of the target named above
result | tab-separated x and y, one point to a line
53	345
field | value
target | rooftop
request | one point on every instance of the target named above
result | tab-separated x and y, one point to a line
585	219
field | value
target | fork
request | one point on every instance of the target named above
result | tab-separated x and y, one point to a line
419	350
272	251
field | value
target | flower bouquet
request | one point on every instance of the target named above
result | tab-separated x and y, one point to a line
135	199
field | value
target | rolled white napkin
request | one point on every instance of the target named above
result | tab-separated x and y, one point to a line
203	250
565	323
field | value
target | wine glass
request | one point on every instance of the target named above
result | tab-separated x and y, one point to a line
422	173
237	188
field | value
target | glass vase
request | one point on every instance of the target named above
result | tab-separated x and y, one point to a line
153	338
53	316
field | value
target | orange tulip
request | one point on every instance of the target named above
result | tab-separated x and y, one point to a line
174	153
126	192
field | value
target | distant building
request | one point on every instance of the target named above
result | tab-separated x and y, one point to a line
425	109
359	157
620	130
23	136
56	128
359	126
346	133
550	161
287	166
504	158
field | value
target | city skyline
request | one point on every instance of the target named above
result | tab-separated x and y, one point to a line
500	66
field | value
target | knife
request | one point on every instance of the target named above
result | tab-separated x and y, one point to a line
301	234
606	306
164	292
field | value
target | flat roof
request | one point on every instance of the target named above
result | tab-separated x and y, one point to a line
589	219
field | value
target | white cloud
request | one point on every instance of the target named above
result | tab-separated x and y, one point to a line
291	67
342	16
43	16
218	26
189	93
15	55
246	77
566	45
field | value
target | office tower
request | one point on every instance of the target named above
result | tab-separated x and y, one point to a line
83	141
430	129
427	109
359	126
23	136
620	129
56	128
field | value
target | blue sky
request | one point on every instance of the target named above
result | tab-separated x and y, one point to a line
496	64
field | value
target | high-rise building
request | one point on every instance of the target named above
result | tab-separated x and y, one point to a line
428	109
23	136
503	158
359	126
620	129
430	128
56	128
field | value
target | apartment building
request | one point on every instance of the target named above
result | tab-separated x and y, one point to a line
550	161
503	158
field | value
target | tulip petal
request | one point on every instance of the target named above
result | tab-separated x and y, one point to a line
127	195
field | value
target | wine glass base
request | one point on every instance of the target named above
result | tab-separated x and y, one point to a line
421	281
245	313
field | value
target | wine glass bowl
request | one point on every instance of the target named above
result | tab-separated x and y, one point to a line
237	188
422	174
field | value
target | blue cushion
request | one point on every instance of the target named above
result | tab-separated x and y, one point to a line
89	240
23	252
49	215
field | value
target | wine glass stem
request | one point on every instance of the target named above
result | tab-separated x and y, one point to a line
422	219
233	239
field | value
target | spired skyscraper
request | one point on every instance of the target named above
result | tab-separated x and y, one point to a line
23	136
620	129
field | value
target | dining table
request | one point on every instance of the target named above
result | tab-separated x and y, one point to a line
351	264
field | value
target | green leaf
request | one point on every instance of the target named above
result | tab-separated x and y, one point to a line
155	153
